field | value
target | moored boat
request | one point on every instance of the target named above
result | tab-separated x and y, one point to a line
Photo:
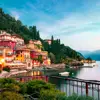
64	73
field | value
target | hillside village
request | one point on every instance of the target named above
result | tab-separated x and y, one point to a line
14	53
22	46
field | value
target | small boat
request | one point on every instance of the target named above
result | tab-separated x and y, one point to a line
64	73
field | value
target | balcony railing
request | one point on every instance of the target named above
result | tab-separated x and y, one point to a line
78	86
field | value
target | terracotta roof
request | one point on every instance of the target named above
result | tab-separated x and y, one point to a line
6	40
16	35
5	33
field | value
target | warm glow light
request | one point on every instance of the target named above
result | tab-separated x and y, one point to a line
2	60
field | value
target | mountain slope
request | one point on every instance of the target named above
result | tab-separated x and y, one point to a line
95	55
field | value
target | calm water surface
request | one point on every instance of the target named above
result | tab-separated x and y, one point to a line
83	73
90	73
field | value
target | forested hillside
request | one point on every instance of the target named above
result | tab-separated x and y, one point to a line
58	52
11	25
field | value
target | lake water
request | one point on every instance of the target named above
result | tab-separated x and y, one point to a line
81	73
89	73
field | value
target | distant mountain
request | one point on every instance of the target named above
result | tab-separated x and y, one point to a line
84	53
95	55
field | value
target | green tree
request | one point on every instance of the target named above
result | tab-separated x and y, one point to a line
23	88
10	96
52	57
6	69
9	84
40	59
89	58
34	30
51	94
76	97
34	87
38	35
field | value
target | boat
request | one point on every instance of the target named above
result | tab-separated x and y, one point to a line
64	73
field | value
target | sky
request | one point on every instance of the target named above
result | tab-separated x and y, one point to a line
75	22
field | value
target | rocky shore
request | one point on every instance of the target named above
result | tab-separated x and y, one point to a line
56	66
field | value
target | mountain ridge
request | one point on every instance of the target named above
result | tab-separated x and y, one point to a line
95	55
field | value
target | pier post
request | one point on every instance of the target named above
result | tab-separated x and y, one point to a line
86	88
46	78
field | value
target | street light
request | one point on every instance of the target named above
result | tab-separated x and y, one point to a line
2	63
2	60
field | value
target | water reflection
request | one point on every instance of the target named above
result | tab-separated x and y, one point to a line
81	73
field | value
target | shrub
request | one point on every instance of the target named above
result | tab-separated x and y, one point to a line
9	84
23	88
6	69
10	96
76	97
51	94
61	97
36	86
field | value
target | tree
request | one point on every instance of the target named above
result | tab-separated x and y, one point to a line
46	46
6	69
52	39
40	59
34	30
76	97
9	84
10	96
38	35
89	58
23	88
52	57
52	94
34	87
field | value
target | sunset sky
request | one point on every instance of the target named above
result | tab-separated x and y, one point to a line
75	22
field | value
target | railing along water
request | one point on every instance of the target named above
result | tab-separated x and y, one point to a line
77	86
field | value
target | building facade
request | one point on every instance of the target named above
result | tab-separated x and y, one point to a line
6	56
8	40
23	55
13	49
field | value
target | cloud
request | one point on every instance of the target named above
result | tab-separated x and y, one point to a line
83	41
15	14
72	24
80	30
